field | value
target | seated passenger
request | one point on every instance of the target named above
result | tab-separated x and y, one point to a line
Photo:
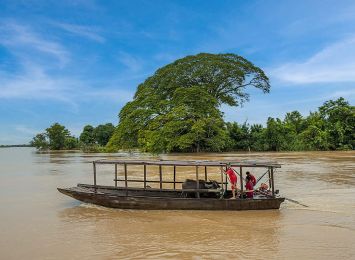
264	187
233	179
249	186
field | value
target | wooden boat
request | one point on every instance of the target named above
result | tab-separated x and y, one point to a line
197	194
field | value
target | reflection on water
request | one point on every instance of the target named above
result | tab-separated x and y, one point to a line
37	222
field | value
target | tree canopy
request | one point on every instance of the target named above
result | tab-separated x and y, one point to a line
56	137
178	108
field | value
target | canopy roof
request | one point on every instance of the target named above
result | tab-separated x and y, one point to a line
191	163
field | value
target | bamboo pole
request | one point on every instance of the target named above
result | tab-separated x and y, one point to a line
125	178
272	181
205	173
94	168
145	176
115	174
160	177
226	181
241	180
197	183
174	177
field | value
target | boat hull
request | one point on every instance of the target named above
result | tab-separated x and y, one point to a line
162	200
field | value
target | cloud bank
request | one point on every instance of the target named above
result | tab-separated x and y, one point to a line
334	63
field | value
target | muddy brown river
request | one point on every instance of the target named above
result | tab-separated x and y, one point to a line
38	222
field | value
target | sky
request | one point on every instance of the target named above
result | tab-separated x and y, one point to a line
78	62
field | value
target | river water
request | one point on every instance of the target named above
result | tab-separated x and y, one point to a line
38	222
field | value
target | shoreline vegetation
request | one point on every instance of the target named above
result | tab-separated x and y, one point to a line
178	109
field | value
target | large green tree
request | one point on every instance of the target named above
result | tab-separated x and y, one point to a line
178	108
87	137
103	133
56	137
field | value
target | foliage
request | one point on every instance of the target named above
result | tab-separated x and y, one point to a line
329	128
56	137
339	119
103	133
71	143
93	139
189	126
57	134
40	141
92	148
239	136
87	136
177	109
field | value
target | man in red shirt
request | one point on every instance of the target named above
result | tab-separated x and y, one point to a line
233	179
249	186
253	180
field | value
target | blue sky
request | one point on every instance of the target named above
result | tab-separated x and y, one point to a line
78	62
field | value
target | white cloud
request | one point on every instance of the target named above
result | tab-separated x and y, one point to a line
20	38
19	134
36	84
25	130
85	31
134	64
34	80
122	96
335	63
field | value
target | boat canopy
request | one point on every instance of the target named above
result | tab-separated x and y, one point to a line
191	163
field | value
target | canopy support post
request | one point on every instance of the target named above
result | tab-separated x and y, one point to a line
197	183
145	175
269	173
241	182
94	168
226	181
272	181
221	168
115	174
125	178
174	177
160	177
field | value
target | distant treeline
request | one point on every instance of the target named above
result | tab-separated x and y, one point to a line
331	127
15	145
57	137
